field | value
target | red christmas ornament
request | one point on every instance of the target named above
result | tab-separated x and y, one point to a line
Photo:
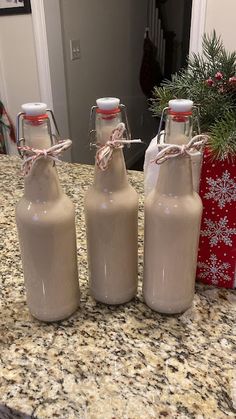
209	82
218	75
232	80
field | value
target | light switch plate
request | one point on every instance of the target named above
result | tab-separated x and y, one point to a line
74	49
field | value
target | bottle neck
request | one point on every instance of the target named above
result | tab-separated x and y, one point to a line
175	177
36	134
178	129
115	176
105	124
42	183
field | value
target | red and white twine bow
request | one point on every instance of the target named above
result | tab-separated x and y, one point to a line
31	155
169	151
104	153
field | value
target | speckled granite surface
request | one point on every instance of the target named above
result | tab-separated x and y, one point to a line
109	362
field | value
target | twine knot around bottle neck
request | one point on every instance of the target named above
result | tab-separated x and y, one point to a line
170	151
31	155
116	141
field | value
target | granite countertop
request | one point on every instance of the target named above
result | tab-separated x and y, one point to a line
124	362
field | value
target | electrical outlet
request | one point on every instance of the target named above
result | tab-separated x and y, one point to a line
74	49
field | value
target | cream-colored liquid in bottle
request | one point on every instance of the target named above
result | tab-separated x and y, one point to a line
172	225
45	219
111	211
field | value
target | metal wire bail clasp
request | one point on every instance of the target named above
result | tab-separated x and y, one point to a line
164	111
127	132
196	108
51	125
92	130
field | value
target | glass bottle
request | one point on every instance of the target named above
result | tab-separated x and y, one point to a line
45	219
111	212
172	225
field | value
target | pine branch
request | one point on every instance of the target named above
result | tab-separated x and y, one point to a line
160	101
212	47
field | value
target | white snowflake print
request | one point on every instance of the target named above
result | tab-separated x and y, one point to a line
214	269
218	231
221	190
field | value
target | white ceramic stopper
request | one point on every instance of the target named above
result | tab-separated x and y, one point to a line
34	109
108	103
180	105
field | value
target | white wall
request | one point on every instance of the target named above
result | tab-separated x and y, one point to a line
111	41
18	62
220	15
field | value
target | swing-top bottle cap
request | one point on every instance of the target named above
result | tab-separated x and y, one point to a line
180	105
34	109
108	103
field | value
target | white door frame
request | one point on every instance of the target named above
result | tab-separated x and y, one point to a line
198	20
42	55
46	17
3	87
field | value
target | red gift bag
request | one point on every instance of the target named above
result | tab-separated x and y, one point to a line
217	245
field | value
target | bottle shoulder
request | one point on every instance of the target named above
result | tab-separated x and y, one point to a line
58	209
123	197
170	204
103	193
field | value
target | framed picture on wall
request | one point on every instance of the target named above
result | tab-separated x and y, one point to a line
14	7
